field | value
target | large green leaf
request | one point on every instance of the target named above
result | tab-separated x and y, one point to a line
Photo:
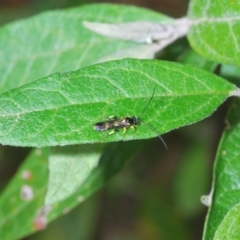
226	190
215	29
61	109
57	41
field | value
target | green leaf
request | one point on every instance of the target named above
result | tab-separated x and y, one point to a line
19	217
230	226
68	169
215	29
226	174
61	109
24	196
57	41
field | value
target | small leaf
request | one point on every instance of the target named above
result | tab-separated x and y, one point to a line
159	35
133	31
226	183
137	31
61	109
215	30
68	169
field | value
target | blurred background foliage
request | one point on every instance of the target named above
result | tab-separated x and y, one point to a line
157	196
11	10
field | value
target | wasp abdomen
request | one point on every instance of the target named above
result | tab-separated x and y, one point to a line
116	123
100	126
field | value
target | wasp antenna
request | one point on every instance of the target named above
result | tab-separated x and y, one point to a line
155	130
165	145
144	109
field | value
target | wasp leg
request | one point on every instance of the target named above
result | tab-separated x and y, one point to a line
111	118
110	133
133	128
125	129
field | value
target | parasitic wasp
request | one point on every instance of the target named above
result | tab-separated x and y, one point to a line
114	123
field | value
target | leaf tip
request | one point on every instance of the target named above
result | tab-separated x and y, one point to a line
235	93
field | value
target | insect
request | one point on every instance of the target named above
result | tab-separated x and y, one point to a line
114	123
